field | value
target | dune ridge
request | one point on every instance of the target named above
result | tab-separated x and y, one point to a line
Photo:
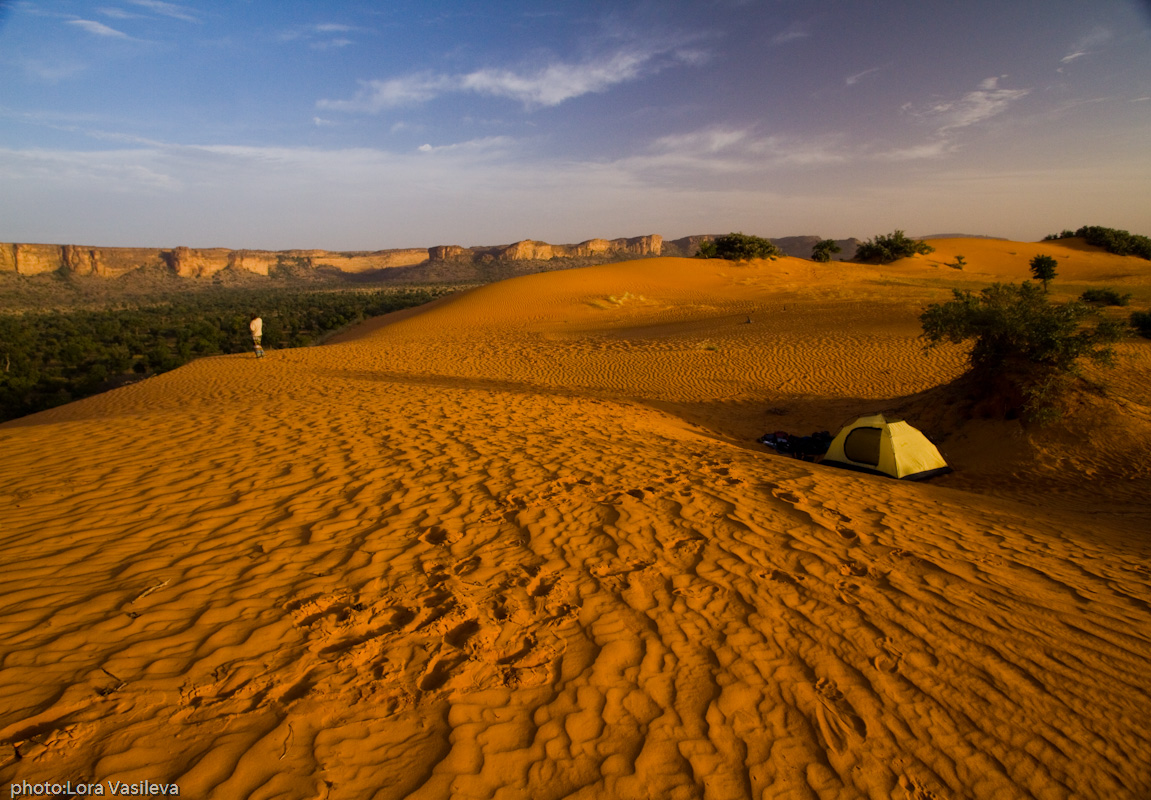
518	543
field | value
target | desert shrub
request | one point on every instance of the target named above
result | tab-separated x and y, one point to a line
823	250
1024	347
739	247
1107	297
1043	269
959	263
893	246
1119	242
1066	234
1141	322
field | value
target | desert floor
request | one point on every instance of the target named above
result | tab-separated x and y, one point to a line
521	544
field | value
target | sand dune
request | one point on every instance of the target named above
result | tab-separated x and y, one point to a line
521	544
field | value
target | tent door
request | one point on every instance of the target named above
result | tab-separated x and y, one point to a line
862	446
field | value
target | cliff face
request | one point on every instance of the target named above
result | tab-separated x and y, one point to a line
531	250
111	262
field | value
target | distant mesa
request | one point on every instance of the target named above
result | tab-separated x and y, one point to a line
959	236
442	262
186	262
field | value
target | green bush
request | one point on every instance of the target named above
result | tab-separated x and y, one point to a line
1023	345
892	247
823	250
1141	321
1107	297
738	247
1120	243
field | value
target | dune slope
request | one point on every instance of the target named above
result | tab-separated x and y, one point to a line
517	545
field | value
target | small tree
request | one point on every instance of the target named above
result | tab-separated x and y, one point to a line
959	263
706	249
1141	322
885	249
1043	269
1024	346
739	247
823	250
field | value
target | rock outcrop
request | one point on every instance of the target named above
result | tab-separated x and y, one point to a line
532	250
110	262
192	263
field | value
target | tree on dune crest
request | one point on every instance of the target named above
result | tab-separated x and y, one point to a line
1024	348
738	247
892	247
823	250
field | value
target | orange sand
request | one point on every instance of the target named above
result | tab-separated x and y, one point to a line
520	544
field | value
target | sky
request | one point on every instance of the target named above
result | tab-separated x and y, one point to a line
359	125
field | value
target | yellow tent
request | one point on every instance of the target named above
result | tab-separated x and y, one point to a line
872	444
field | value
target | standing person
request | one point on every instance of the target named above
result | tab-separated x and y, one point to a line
256	326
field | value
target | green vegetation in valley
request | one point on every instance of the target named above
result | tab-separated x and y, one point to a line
892	247
51	358
1121	243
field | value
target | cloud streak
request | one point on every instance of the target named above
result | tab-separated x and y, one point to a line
977	106
166	9
545	87
98	28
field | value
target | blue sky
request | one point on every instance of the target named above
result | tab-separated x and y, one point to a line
368	125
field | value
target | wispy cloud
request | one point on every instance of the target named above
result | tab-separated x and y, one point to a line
851	80
728	151
543	87
488	144
98	28
166	9
321	36
987	101
1086	45
949	117
793	32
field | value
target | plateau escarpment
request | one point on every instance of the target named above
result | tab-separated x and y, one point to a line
186	262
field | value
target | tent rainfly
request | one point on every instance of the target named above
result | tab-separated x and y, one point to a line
872	444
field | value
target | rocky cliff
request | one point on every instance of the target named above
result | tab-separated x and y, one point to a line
111	262
532	250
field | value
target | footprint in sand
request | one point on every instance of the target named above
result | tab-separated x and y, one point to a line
434	536
847	591
913	790
439	672
838	723
889	659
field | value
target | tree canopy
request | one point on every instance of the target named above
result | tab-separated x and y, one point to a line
738	247
823	250
893	246
1020	339
1121	243
1043	269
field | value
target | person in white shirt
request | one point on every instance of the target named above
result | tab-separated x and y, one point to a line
256	326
